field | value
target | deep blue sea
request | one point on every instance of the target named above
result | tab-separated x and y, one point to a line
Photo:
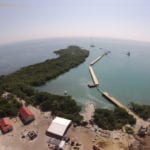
125	77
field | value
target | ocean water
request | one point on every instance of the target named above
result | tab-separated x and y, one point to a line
125	77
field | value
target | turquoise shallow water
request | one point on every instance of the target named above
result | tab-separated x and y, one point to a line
126	78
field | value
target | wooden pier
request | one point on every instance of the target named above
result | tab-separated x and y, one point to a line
118	103
92	73
93	76
98	58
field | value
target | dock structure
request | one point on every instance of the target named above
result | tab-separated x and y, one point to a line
118	104
98	58
93	76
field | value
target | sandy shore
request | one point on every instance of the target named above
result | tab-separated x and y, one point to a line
88	111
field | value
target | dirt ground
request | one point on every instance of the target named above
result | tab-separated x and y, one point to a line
14	140
82	135
146	145
109	144
85	136
88	138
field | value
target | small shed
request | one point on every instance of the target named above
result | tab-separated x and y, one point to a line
6	125
58	127
26	115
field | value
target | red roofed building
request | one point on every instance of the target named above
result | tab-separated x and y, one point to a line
26	115
6	125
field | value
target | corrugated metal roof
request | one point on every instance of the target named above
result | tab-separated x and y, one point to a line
25	112
59	126
5	123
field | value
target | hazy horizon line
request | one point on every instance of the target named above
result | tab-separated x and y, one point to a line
67	37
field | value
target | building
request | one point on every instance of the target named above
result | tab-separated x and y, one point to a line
6	125
61	145
26	115
58	127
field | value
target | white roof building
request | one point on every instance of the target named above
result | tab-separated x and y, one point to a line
59	126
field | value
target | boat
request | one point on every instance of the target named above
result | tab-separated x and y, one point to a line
107	52
92	45
65	92
128	53
90	85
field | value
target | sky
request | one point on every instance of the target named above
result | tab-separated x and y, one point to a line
34	19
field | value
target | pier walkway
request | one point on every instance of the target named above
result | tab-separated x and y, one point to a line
92	73
118	104
93	76
98	58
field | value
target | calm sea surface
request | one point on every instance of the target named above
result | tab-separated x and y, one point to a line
126	78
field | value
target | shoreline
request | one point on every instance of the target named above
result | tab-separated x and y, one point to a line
88	111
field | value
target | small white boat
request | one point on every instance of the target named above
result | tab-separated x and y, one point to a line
65	92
